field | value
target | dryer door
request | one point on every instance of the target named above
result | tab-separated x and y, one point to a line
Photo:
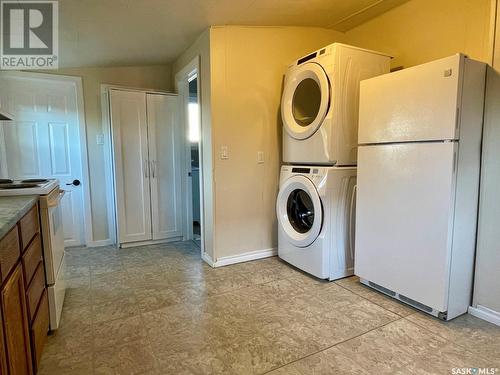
299	211
305	100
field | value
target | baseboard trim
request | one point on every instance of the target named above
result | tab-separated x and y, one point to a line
245	257
485	313
126	245
100	243
208	259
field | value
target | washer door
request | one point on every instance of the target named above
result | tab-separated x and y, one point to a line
305	101
299	211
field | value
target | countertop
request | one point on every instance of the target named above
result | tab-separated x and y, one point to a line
12	209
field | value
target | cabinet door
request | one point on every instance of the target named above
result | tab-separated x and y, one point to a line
130	149
164	152
3	358
15	320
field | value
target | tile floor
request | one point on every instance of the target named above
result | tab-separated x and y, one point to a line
161	310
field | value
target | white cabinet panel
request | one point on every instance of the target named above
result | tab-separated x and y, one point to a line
404	216
164	153
21	140
130	145
57	103
59	148
414	104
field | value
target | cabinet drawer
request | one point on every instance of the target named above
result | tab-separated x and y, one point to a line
35	290
31	258
40	329
9	252
29	226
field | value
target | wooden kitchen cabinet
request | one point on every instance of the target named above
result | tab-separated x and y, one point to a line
3	356
29	226
15	319
24	318
10	252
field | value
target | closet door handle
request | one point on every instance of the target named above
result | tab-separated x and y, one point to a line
153	163
146	168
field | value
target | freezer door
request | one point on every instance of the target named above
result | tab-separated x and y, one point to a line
404	219
415	104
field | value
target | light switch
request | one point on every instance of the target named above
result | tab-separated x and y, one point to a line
99	139
224	153
260	157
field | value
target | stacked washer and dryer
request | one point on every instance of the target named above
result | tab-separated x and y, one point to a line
316	200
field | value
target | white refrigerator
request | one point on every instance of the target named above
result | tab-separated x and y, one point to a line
418	179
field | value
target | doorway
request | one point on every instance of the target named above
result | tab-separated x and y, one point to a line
188	84
47	140
193	122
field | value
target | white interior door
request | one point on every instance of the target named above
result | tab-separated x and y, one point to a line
44	141
131	162
164	152
404	211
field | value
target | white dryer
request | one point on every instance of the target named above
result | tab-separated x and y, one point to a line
316	219
319	105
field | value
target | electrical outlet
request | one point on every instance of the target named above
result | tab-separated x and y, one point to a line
260	157
224	153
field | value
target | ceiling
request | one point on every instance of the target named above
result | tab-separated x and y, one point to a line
143	32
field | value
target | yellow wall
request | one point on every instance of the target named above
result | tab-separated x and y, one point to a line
153	77
247	68
423	30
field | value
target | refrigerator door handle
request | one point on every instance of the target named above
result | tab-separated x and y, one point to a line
351	223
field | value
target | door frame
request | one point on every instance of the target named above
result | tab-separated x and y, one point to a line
182	79
76	81
187	168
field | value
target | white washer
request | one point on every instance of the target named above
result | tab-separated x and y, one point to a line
316	219
319	105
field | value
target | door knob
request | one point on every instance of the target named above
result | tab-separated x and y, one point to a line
75	183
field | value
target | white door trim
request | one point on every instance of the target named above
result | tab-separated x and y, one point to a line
181	80
77	82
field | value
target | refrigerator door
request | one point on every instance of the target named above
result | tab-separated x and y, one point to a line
415	104
404	222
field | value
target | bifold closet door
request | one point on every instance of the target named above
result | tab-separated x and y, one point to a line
131	161
165	162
